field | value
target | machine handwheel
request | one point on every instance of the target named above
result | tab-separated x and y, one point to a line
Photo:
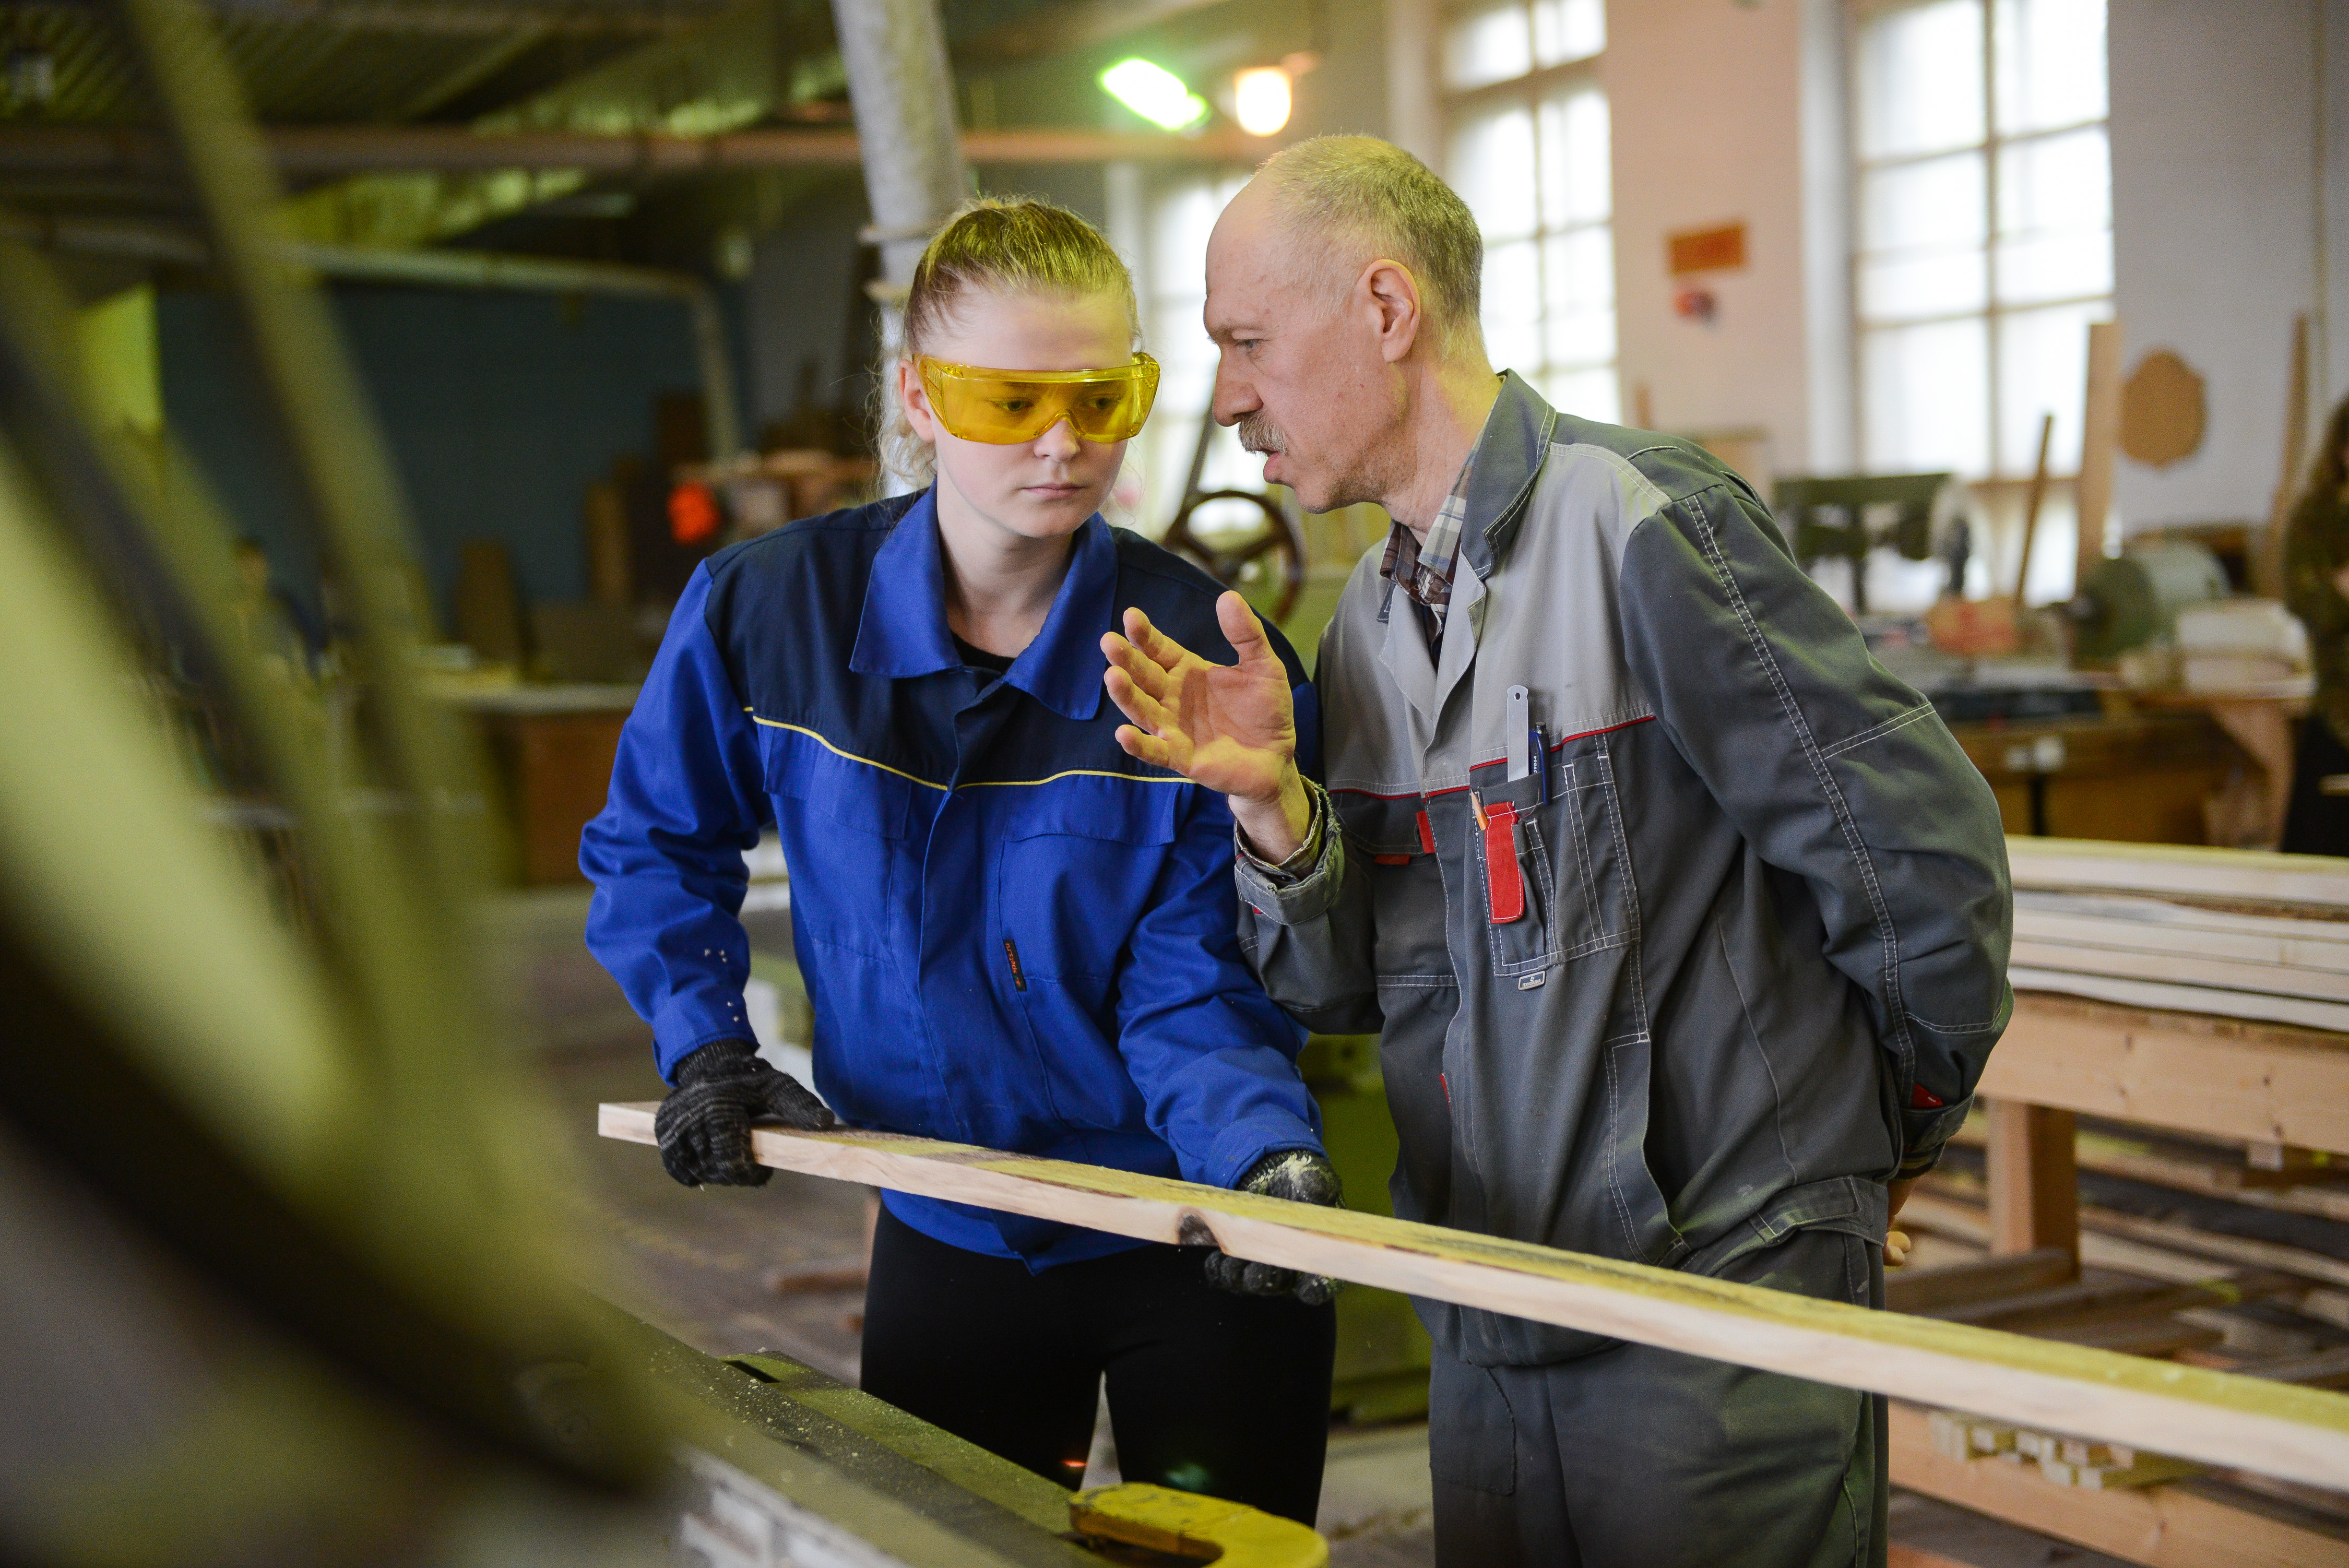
1267	568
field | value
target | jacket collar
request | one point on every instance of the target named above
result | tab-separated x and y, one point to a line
1508	459
904	632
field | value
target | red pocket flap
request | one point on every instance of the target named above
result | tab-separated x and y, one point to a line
1504	883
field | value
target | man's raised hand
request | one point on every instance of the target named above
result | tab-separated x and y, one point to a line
1231	727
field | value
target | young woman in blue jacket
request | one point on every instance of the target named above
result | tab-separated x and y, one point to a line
1013	933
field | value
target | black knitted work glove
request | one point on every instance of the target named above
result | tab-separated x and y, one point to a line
704	1126
1303	1176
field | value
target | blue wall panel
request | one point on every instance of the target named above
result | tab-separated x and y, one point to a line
500	409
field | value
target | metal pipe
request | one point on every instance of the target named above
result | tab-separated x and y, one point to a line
319	152
443	269
894	53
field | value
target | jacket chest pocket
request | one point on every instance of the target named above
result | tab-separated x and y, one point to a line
1554	877
844	826
1075	874
1077	870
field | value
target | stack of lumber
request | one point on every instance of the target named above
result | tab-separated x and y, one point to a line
2219	932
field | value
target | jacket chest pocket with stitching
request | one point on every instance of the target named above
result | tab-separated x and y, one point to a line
1080	860
1077	869
1553	878
844	825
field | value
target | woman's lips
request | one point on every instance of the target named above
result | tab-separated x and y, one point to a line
1053	492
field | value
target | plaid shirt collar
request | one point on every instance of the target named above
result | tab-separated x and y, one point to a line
1423	569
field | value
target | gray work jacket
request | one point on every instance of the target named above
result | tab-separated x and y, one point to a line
1676	993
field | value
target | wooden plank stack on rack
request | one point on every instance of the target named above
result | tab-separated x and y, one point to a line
2195	1004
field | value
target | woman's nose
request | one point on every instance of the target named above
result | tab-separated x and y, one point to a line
1060	442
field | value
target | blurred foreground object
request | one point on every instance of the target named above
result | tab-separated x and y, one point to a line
282	1284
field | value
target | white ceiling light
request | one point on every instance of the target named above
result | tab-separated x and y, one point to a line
1261	100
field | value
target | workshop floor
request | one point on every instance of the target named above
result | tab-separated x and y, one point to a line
705	1265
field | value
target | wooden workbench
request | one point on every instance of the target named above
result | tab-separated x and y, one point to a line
2136	776
553	747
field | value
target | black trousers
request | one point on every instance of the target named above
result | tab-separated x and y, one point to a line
1212	1393
2316	823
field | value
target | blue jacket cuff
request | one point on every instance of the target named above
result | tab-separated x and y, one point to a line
1238	1147
690	1020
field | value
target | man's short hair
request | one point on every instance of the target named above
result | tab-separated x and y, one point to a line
1347	199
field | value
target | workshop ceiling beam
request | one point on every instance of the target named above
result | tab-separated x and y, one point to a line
732	71
316	150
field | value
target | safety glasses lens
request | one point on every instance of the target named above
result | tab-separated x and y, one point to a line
1000	410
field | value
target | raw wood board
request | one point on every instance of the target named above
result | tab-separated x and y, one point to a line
2247	939
2219	1077
2033	950
2158	869
2279	1430
2175	998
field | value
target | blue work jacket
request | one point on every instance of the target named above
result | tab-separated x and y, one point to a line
1013	933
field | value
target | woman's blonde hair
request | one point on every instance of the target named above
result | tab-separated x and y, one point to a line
1012	244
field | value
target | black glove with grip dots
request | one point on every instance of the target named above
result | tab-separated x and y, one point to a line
704	1125
1302	1176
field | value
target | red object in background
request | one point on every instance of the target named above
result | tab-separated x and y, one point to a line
1691	302
693	514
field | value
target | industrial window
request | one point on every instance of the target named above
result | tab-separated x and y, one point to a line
1984	230
1527	150
1171	255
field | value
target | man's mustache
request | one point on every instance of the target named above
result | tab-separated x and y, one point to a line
1258	434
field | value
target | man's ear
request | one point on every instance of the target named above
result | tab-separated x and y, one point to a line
1390	290
915	398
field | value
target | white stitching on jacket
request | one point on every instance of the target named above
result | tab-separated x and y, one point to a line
1828	786
1898	721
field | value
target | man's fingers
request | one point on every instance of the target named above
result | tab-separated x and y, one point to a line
1138	704
1121	689
1147	747
1152	644
1140	667
1243	630
1897	1247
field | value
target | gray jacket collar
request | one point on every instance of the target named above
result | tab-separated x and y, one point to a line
1508	459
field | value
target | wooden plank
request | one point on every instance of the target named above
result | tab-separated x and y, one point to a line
2281	1429
2260	1005
1935	1290
2035	950
2034	1185
2212	1076
2158	1526
2183	930
2244	1250
2312	1193
2179	869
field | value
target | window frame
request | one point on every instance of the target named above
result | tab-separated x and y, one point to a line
1991	150
1529	92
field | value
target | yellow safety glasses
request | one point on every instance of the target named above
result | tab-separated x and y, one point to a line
1002	407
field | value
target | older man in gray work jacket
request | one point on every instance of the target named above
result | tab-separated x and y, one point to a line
1685	924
